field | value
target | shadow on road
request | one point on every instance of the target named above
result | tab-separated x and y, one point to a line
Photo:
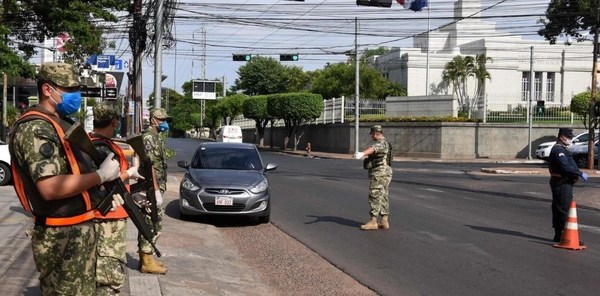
172	210
508	232
333	219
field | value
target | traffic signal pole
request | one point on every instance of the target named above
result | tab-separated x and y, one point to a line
356	88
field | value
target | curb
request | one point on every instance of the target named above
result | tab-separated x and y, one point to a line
504	171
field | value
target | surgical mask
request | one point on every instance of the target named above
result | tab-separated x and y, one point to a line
568	142
163	126
71	101
117	130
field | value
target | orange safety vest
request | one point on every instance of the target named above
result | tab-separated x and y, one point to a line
120	212
64	212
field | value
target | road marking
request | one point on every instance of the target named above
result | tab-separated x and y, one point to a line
592	229
433	190
433	236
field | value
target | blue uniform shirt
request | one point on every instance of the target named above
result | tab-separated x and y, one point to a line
562	163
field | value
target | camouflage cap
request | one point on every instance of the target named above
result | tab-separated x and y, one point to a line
61	74
160	114
105	111
376	128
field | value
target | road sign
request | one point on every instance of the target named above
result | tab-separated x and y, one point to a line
204	90
91	92
110	93
103	62
118	65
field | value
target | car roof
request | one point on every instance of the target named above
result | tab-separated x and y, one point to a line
227	145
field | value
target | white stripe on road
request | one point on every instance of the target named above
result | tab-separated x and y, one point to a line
588	228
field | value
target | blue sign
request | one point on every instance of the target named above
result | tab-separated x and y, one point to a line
118	65
105	61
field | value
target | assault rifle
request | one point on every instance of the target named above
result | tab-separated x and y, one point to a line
77	137
147	185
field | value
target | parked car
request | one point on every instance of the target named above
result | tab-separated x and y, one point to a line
5	170
543	150
226	179
580	154
229	133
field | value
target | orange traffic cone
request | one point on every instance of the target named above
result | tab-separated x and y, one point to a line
570	237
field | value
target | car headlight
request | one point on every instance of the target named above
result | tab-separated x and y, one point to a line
189	185
260	187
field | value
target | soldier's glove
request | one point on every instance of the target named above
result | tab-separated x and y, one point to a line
358	155
109	169
140	200
117	202
133	173
584	176
159	198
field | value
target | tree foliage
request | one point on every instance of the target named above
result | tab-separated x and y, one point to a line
580	105
185	116
295	109
261	76
256	108
570	18
460	72
230	107
33	21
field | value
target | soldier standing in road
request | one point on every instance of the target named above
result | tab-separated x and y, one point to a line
111	229
563	174
58	184
378	163
154	145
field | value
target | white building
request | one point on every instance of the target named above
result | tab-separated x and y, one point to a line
561	71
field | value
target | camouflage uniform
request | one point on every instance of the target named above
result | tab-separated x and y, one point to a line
155	148
111	233
380	176
63	255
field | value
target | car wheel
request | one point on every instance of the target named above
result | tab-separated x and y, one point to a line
5	174
581	160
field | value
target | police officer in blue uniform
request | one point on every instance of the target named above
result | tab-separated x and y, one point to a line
563	174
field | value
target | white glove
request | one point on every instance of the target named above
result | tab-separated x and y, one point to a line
117	202
109	169
140	199
358	155
133	173
159	198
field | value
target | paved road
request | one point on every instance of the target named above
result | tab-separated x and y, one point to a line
455	230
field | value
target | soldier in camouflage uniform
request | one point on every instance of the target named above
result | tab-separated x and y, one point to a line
154	145
378	164
111	229
58	186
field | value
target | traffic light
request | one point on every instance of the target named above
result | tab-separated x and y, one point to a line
288	57
242	57
379	3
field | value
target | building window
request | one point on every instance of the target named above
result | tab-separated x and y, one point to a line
537	87
550	87
525	86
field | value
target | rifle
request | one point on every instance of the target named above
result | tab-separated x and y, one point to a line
147	185
78	137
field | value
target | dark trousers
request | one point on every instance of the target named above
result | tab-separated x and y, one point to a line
562	195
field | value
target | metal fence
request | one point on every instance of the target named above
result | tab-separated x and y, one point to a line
499	108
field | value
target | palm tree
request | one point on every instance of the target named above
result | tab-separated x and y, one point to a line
457	73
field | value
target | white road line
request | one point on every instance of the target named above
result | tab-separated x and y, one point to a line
588	228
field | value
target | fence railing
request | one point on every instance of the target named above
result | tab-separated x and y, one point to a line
509	108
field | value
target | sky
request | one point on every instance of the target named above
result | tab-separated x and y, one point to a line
320	31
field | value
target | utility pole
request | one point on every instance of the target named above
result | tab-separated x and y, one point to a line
592	119
529	117
356	88
158	27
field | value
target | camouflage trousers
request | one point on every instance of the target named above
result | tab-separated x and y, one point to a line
110	247
65	258
379	184
143	245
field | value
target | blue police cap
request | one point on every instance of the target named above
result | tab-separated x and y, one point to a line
563	131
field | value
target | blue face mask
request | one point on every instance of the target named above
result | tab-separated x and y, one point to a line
163	126
71	101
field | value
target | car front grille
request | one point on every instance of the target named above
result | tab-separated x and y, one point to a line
223	191
236	207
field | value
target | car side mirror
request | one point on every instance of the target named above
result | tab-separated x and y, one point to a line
183	164
270	167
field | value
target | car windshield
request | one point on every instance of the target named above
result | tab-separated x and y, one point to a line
226	159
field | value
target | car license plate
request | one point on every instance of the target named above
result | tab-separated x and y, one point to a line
223	201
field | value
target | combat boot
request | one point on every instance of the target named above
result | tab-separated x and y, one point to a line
384	224
148	265
371	225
